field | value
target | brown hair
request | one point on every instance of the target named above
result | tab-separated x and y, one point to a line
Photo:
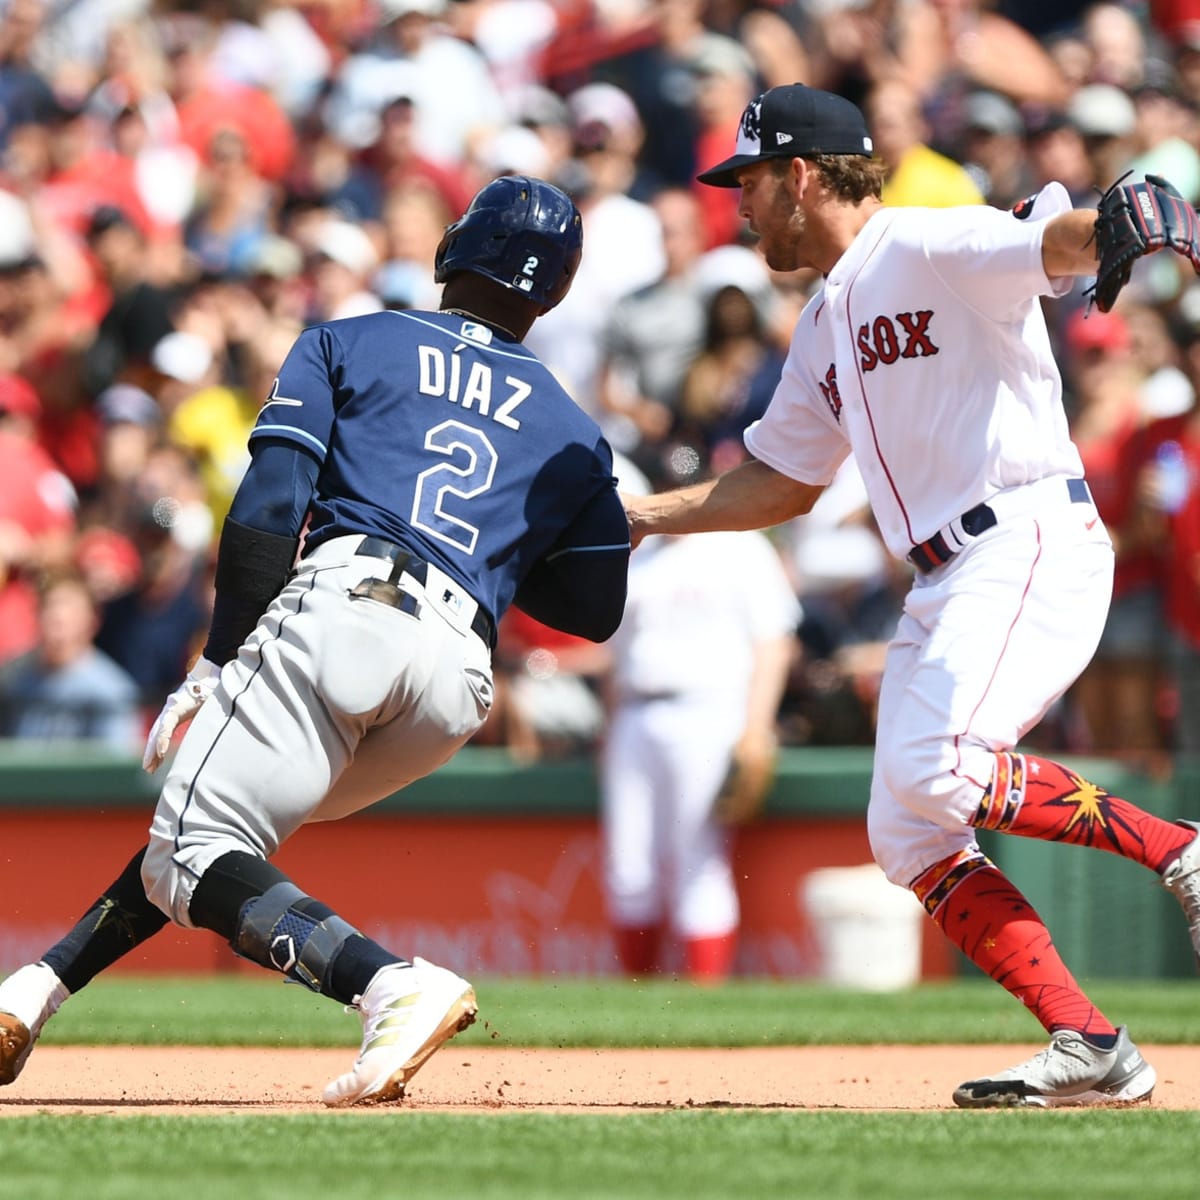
850	176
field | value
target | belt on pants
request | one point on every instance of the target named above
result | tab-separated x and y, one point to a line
388	591
947	542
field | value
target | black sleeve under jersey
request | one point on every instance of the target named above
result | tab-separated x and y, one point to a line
258	542
579	587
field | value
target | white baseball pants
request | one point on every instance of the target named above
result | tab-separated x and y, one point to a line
332	704
985	645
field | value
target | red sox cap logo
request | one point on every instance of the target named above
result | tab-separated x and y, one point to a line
751	130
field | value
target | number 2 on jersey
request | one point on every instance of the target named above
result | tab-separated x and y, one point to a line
468	473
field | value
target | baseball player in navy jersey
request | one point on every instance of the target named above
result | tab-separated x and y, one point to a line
444	475
925	352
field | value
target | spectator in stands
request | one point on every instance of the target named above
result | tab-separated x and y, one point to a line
1115	40
83	173
133	101
26	98
181	364
139	312
64	688
917	174
343	261
545	113
1186	46
130	426
414	218
657	71
205	412
235	209
851	594
1165	390
993	149
776	36
393	161
1161	516
1055	149
622	249
511	35
548	704
107	561
275	279
949	48
154	629
1167	474
37	515
725	83
454	96
208	100
732	378
1117	694
1106	119
1165	132
654	333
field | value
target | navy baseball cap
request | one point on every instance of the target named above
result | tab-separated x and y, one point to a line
792	121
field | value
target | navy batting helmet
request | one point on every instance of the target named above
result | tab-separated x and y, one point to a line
523	233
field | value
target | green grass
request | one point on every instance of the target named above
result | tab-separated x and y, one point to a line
692	1154
262	1011
1026	1156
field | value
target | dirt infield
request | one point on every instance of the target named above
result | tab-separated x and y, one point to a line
137	1081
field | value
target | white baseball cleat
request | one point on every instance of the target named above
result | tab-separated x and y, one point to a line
1182	879
407	1014
1070	1071
29	997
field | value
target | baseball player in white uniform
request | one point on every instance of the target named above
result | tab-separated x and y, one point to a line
926	353
699	665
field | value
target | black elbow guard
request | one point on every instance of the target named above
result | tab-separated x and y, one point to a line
251	568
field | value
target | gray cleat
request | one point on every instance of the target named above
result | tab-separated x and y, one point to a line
1182	878
1070	1071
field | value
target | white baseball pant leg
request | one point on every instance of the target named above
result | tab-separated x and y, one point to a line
665	858
332	704
985	646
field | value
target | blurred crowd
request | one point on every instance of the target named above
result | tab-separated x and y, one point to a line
184	186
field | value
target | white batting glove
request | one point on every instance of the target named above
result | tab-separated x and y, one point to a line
182	703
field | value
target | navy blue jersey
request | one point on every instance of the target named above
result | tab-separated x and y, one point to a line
434	432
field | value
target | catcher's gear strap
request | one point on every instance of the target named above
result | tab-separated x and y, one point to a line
274	931
251	568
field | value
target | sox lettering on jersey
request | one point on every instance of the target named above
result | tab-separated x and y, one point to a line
829	389
886	339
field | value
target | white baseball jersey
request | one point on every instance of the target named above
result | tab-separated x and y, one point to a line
926	350
682	658
721	592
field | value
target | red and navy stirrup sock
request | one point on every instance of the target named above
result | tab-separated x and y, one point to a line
1037	798
993	924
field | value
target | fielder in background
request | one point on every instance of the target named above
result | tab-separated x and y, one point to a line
926	353
699	665
444	475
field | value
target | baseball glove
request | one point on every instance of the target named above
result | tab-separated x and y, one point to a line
1133	220
747	782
